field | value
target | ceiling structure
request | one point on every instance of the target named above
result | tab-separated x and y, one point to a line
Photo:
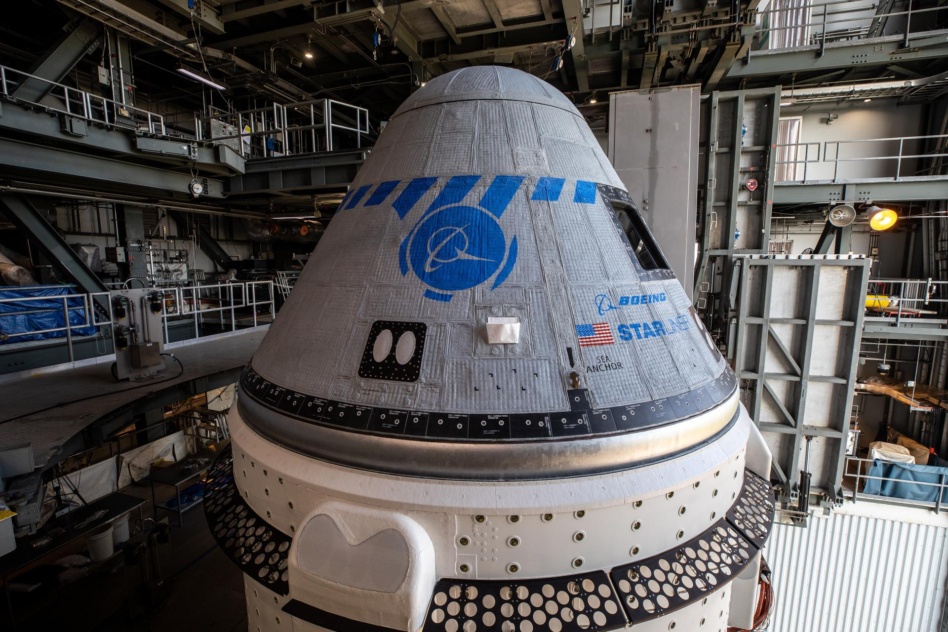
375	53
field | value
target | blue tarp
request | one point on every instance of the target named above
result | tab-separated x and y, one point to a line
906	479
26	316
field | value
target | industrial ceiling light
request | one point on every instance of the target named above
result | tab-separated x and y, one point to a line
308	53
881	218
593	99
193	74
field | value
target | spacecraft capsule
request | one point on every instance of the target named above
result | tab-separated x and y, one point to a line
488	403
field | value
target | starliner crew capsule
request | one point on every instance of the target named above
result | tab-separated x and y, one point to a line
488	403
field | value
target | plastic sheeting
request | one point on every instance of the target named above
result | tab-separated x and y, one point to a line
906	481
40	310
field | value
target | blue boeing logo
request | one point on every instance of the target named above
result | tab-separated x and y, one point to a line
455	247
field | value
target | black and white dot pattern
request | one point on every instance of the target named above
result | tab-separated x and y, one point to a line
753	512
561	604
666	582
259	549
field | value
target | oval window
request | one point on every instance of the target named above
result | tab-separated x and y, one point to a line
383	345
405	350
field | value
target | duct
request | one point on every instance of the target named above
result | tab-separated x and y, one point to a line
12	274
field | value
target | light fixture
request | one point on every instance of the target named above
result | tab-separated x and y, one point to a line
592	98
193	74
881	218
308	54
866	100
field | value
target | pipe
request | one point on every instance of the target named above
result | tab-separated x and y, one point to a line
12	274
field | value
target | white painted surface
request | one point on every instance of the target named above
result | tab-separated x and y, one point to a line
869	567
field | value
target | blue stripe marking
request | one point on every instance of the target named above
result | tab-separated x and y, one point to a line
508	265
381	192
497	197
344	200
438	296
454	191
548	190
357	197
585	192
410	196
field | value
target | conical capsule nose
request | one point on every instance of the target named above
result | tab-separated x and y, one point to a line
487	280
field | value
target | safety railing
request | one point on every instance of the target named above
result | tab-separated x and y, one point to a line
56	97
229	303
234	306
828	162
281	130
786	25
81	316
923	493
907	298
789	158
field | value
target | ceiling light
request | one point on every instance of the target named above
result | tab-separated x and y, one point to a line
187	72
308	54
866	100
592	99
881	218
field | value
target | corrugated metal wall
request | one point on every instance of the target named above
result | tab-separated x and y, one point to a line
853	573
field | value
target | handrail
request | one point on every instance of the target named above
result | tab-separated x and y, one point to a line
941	487
85	105
189	302
86	310
281	130
859	16
833	154
907	297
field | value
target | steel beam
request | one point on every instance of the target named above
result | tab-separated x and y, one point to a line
573	12
446	23
494	12
58	61
22	213
880	51
20	120
906	190
302	173
260	9
202	13
38	162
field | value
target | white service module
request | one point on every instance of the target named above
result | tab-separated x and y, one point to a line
488	403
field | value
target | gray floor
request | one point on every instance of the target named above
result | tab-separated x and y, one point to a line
199	589
99	393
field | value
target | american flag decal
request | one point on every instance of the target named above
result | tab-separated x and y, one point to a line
594	335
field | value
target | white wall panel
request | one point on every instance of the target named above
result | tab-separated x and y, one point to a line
867	568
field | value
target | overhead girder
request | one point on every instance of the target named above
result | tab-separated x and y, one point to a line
200	11
95	139
27	218
50	164
880	51
487	45
82	38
